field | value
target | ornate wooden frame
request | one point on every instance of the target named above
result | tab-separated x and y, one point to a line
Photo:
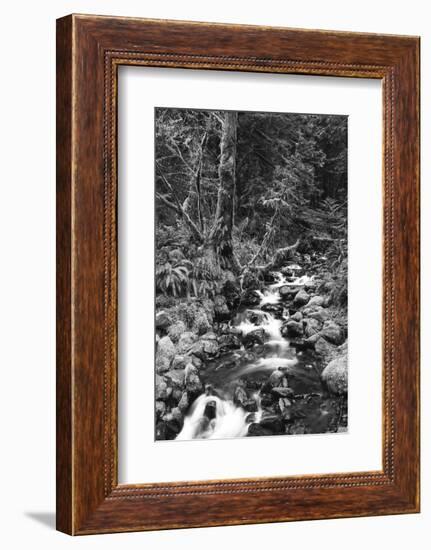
89	51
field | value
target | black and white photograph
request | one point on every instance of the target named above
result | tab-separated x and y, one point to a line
251	274
213	247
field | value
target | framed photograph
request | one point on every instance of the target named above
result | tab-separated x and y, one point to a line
237	274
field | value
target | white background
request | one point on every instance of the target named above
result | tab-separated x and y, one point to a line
141	458
27	122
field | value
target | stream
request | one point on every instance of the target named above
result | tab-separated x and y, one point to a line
234	403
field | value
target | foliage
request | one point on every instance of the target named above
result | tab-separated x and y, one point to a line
194	314
339	294
173	278
245	248
205	277
163	301
290	175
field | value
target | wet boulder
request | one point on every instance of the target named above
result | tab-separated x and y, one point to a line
328	286
240	396
300	344
163	320
173	425
292	271
186	341
179	362
177	415
287	414
206	347
275	309
250	405
160	409
196	361
162	364
332	333
297	317
310	286
288	292
325	349
276	379
270	277
183	403
266	400
283	392
228	342
297	428
161	432
253	338
209	344
316	312
201	324
284	405
251	417
316	301
301	299
176	330
273	423
292	329
250	298
334	375
175	378
164	354
312	326
255	316
193	383
221	309
256	429
162	390
177	392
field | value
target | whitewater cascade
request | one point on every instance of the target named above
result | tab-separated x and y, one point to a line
211	417
217	417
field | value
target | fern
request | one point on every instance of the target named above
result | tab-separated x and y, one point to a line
173	279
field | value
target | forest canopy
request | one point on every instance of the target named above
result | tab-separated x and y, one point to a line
235	191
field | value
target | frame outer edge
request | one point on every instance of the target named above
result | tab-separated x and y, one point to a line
407	272
81	508
64	300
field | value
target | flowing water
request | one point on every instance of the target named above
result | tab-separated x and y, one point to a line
213	415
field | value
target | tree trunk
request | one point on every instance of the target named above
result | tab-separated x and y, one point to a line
193	203
221	234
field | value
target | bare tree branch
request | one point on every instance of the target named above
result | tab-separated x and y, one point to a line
175	149
198	182
280	256
179	208
264	242
168	203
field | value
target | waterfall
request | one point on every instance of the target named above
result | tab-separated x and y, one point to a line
268	297
211	417
281	281
297	281
269	324
217	416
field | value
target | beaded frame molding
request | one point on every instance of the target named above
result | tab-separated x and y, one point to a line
89	51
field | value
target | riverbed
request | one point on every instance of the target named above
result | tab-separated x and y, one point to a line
270	384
